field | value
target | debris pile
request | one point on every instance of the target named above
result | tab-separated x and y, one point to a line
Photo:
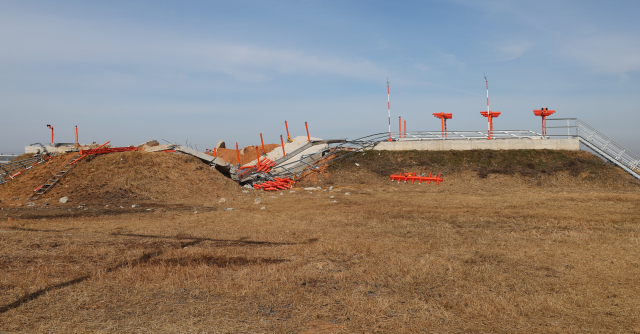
276	184
413	177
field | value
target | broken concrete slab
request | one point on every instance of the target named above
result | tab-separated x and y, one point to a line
146	145
221	144
159	148
200	155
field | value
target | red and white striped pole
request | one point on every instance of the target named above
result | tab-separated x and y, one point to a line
488	111
389	109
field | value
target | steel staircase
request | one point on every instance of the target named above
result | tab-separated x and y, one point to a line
608	148
55	178
602	145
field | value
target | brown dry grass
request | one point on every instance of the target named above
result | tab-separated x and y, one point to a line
494	254
124	178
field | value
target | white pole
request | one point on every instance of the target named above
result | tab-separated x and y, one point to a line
488	110
389	108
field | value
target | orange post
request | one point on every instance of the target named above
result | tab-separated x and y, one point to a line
262	142
51	127
287	126
399	127
308	138
282	142
544	112
237	153
490	115
443	121
405	128
214	151
76	135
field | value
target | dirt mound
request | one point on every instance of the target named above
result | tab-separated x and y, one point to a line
127	177
229	155
525	167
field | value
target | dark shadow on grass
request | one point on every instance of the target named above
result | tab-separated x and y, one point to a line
239	242
151	258
25	229
31	296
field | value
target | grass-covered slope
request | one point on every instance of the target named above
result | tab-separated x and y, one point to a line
531	165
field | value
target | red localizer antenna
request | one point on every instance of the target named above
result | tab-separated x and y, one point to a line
489	114
544	112
389	109
443	120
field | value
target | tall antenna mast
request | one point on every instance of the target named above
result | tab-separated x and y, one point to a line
487	81
389	108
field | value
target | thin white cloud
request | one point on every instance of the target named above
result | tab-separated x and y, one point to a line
511	51
608	53
52	41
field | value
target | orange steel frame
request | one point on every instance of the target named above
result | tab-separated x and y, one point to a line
544	112
443	120
490	115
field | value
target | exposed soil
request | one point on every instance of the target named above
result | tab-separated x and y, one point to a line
124	178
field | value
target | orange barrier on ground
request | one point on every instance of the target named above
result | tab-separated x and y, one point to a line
276	184
413	178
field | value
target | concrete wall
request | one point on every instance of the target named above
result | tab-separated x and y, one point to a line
571	144
52	149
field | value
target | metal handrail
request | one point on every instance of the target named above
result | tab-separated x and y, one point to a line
601	144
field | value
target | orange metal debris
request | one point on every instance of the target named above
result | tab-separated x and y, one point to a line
276	184
413	177
288	136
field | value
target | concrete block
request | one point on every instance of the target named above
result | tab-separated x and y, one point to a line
195	153
571	144
32	149
159	148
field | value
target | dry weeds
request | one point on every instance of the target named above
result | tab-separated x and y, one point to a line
494	254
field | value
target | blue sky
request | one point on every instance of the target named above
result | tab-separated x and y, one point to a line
131	71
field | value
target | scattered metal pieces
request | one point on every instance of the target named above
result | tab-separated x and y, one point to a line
413	177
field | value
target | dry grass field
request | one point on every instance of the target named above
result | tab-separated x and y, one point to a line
533	247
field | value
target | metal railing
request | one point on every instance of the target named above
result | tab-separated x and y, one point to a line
465	135
8	170
600	144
